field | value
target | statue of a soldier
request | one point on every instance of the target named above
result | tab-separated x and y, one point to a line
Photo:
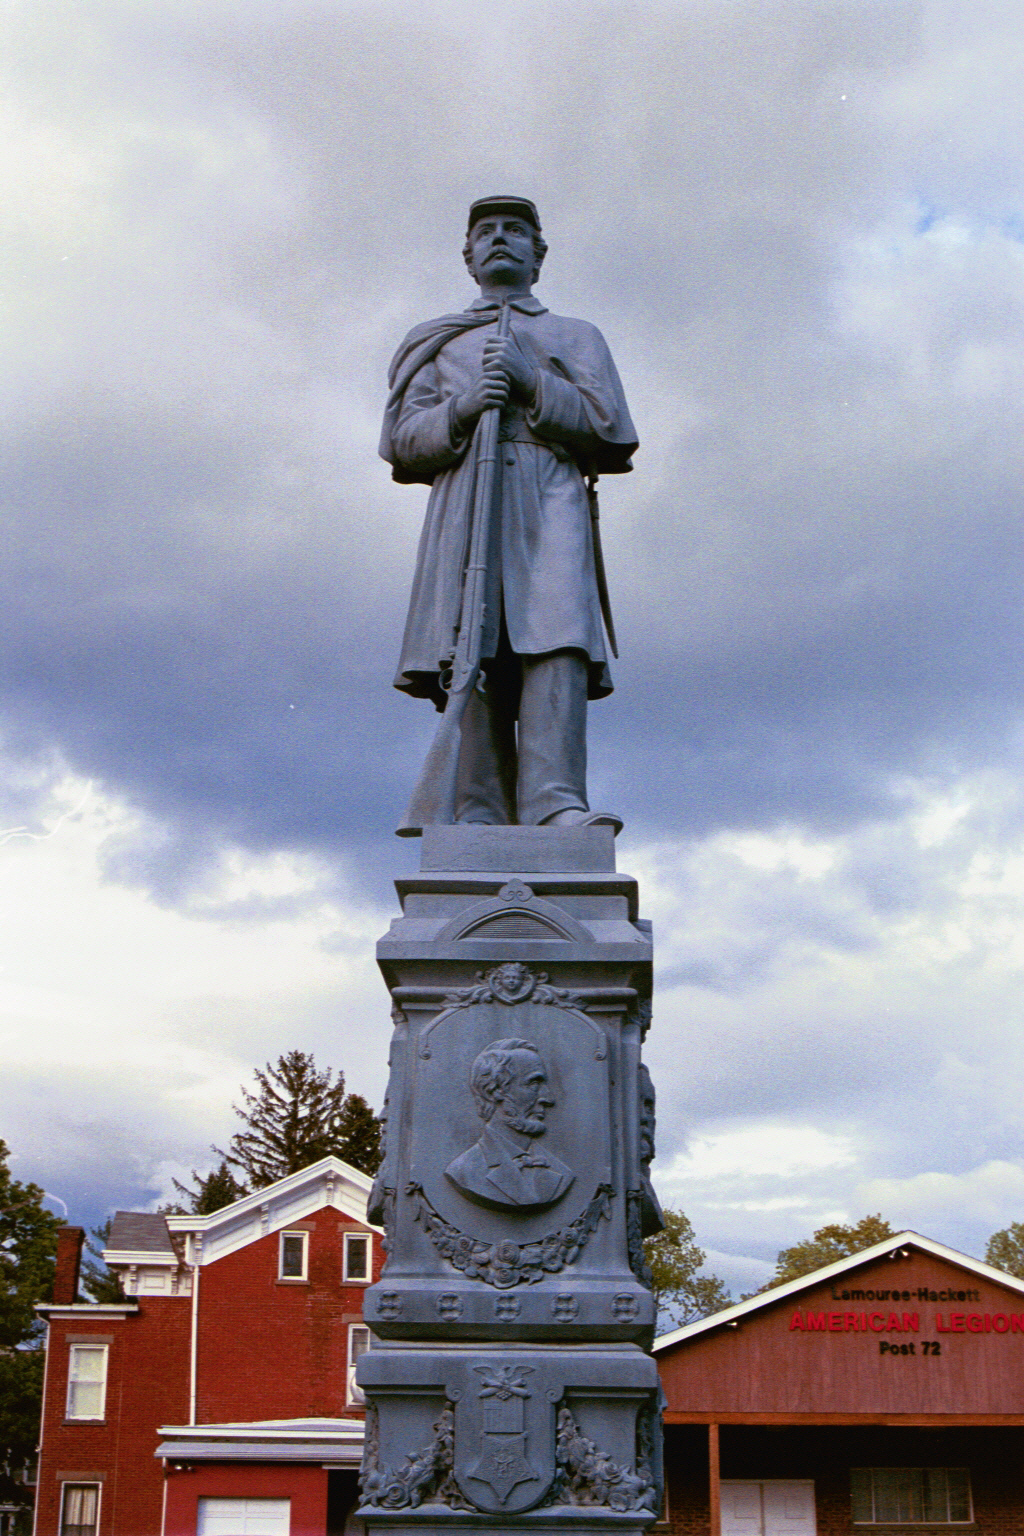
513	525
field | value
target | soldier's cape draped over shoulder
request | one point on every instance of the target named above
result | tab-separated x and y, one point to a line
420	347
540	564
608	411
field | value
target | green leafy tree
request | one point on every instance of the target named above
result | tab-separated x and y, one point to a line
827	1246
1005	1249
28	1247
299	1115
681	1293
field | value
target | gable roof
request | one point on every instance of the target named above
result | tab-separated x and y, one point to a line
138	1236
330	1182
891	1247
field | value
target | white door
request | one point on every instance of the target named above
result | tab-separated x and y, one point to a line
771	1508
742	1510
244	1517
788	1509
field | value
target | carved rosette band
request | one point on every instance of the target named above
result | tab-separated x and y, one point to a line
506	1264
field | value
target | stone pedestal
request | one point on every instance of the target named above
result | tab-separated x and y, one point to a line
508	1377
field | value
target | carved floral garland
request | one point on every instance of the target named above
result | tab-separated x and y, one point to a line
584	1474
587	1475
426	1477
505	1264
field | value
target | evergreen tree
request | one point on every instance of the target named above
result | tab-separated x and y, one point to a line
28	1247
298	1116
1005	1249
98	1282
827	1246
210	1193
682	1295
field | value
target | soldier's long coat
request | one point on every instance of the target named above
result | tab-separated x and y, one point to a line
541	560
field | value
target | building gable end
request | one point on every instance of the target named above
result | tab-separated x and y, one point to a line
903	1243
329	1183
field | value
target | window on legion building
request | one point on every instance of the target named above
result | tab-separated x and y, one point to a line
911	1495
87	1381
357	1256
79	1509
358	1344
293	1255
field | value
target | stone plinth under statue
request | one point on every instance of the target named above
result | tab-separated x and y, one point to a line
508	1375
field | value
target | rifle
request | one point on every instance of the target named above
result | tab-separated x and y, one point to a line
599	572
433	799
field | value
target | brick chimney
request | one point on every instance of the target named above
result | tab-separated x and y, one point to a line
69	1260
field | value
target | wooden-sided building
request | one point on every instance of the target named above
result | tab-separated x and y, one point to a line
883	1394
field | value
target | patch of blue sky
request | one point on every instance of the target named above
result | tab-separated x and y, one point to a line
975	224
928	214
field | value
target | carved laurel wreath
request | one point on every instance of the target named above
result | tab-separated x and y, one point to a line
506	1264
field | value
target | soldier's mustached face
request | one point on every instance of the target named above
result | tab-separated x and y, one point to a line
527	1098
502	244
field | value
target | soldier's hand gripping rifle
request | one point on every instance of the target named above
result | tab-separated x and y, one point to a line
433	799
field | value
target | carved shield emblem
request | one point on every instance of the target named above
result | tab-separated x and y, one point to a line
504	1438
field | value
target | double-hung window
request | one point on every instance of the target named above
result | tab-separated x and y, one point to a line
357	1257
358	1344
87	1381
80	1509
293	1256
911	1495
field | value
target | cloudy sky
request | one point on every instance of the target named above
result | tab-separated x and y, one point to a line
800	227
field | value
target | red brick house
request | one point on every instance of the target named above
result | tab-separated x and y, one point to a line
881	1395
219	1395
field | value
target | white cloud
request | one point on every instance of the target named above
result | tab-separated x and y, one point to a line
988	1197
767	1151
801	230
132	1025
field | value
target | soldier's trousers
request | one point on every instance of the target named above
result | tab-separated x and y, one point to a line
527	775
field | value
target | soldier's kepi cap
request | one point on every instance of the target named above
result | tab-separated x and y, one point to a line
485	206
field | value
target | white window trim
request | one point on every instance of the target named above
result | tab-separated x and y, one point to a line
367	1279
353	1392
87	1418
293	1279
81	1482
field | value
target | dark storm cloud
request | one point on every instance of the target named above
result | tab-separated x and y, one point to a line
208	564
800	228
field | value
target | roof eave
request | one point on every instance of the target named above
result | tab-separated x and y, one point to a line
48	1309
260	1197
164	1257
283	1440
